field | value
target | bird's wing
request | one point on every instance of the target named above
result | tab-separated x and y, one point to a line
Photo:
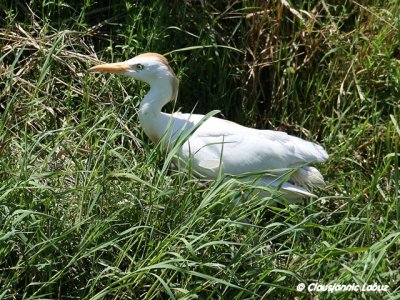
237	149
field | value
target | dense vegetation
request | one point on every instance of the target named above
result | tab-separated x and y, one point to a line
88	206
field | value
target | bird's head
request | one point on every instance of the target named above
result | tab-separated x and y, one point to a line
147	67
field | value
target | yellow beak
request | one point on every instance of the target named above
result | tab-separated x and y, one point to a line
111	68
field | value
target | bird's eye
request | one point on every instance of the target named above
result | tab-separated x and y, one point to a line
139	67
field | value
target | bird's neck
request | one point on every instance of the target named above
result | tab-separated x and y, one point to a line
160	93
150	116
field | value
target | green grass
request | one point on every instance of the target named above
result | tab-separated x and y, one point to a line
88	206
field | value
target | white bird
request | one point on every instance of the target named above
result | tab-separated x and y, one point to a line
216	146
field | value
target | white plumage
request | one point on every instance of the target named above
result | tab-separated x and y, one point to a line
215	145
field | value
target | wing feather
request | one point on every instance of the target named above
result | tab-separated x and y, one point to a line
241	149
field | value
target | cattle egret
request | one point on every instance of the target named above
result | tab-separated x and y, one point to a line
216	146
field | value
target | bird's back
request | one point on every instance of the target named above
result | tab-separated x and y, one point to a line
220	145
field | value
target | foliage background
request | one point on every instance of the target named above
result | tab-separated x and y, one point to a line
88	207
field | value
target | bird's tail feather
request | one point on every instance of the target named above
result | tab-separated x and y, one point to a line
291	192
308	177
